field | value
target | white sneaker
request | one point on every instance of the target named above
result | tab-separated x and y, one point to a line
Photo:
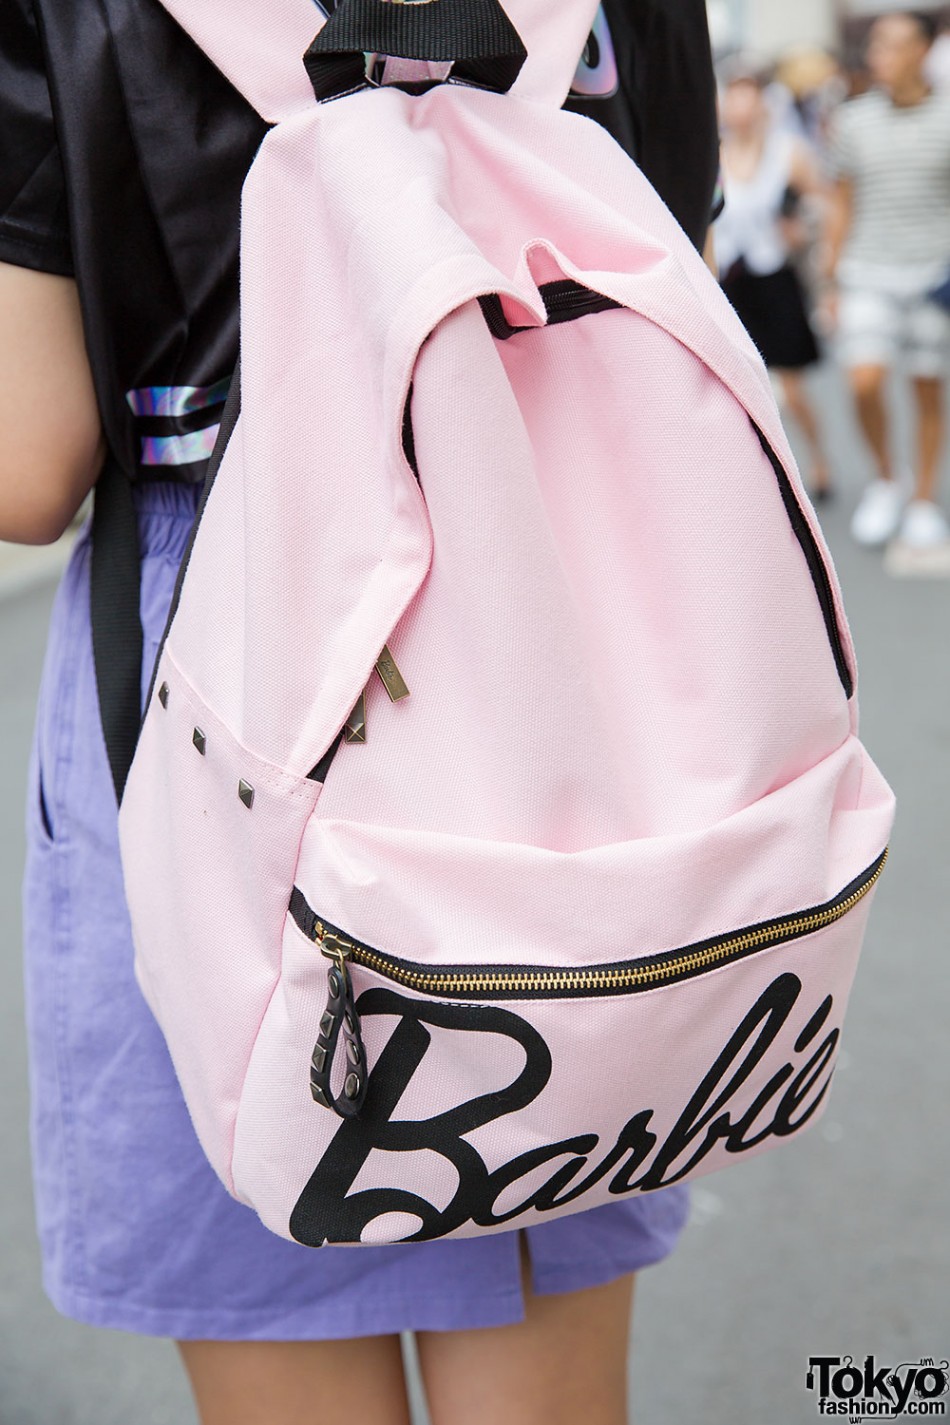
878	516
922	547
924	525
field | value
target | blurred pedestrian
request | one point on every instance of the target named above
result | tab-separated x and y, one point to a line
814	80
767	171
938	61
889	248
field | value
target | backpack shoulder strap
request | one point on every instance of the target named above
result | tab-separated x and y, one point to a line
117	642
260	47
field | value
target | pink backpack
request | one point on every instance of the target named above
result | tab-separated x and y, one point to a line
578	915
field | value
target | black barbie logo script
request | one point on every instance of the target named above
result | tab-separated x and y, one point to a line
637	1161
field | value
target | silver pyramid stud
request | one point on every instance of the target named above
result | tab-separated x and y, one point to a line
199	739
163	695
246	793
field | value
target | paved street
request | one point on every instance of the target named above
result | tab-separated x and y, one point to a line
836	1246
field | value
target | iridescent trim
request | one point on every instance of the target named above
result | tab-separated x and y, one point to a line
596	76
177	400
178	449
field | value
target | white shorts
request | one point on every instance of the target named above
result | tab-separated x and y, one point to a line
886	316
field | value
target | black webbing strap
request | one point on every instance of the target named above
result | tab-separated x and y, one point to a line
229	416
115	594
115	586
476	34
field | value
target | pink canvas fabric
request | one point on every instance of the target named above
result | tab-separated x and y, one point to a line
629	730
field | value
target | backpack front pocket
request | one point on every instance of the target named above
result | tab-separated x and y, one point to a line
510	1033
498	1103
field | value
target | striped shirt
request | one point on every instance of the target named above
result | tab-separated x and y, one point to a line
898	160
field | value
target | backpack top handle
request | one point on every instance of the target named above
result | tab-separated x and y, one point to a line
257	46
475	36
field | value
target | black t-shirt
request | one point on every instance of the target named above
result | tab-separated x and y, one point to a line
647	76
123	151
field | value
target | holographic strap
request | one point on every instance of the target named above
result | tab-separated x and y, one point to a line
188	449
597	76
177	424
177	400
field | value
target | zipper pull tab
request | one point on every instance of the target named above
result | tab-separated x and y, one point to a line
354	729
392	679
339	1016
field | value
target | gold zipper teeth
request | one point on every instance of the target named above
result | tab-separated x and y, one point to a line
626	977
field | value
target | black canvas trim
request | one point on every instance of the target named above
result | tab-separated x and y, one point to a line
408	437
319	772
564	301
815	561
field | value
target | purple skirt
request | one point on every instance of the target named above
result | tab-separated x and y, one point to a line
136	1231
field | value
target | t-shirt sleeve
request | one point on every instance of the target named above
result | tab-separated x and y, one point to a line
34	229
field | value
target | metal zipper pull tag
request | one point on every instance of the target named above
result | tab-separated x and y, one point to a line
392	679
354	729
340	1016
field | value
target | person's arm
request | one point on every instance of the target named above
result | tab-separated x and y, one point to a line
840	214
805	181
51	444
804	174
838	221
843	165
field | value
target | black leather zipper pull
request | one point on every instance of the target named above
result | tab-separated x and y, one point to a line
339	1023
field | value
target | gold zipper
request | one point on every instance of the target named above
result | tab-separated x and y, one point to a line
610	978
